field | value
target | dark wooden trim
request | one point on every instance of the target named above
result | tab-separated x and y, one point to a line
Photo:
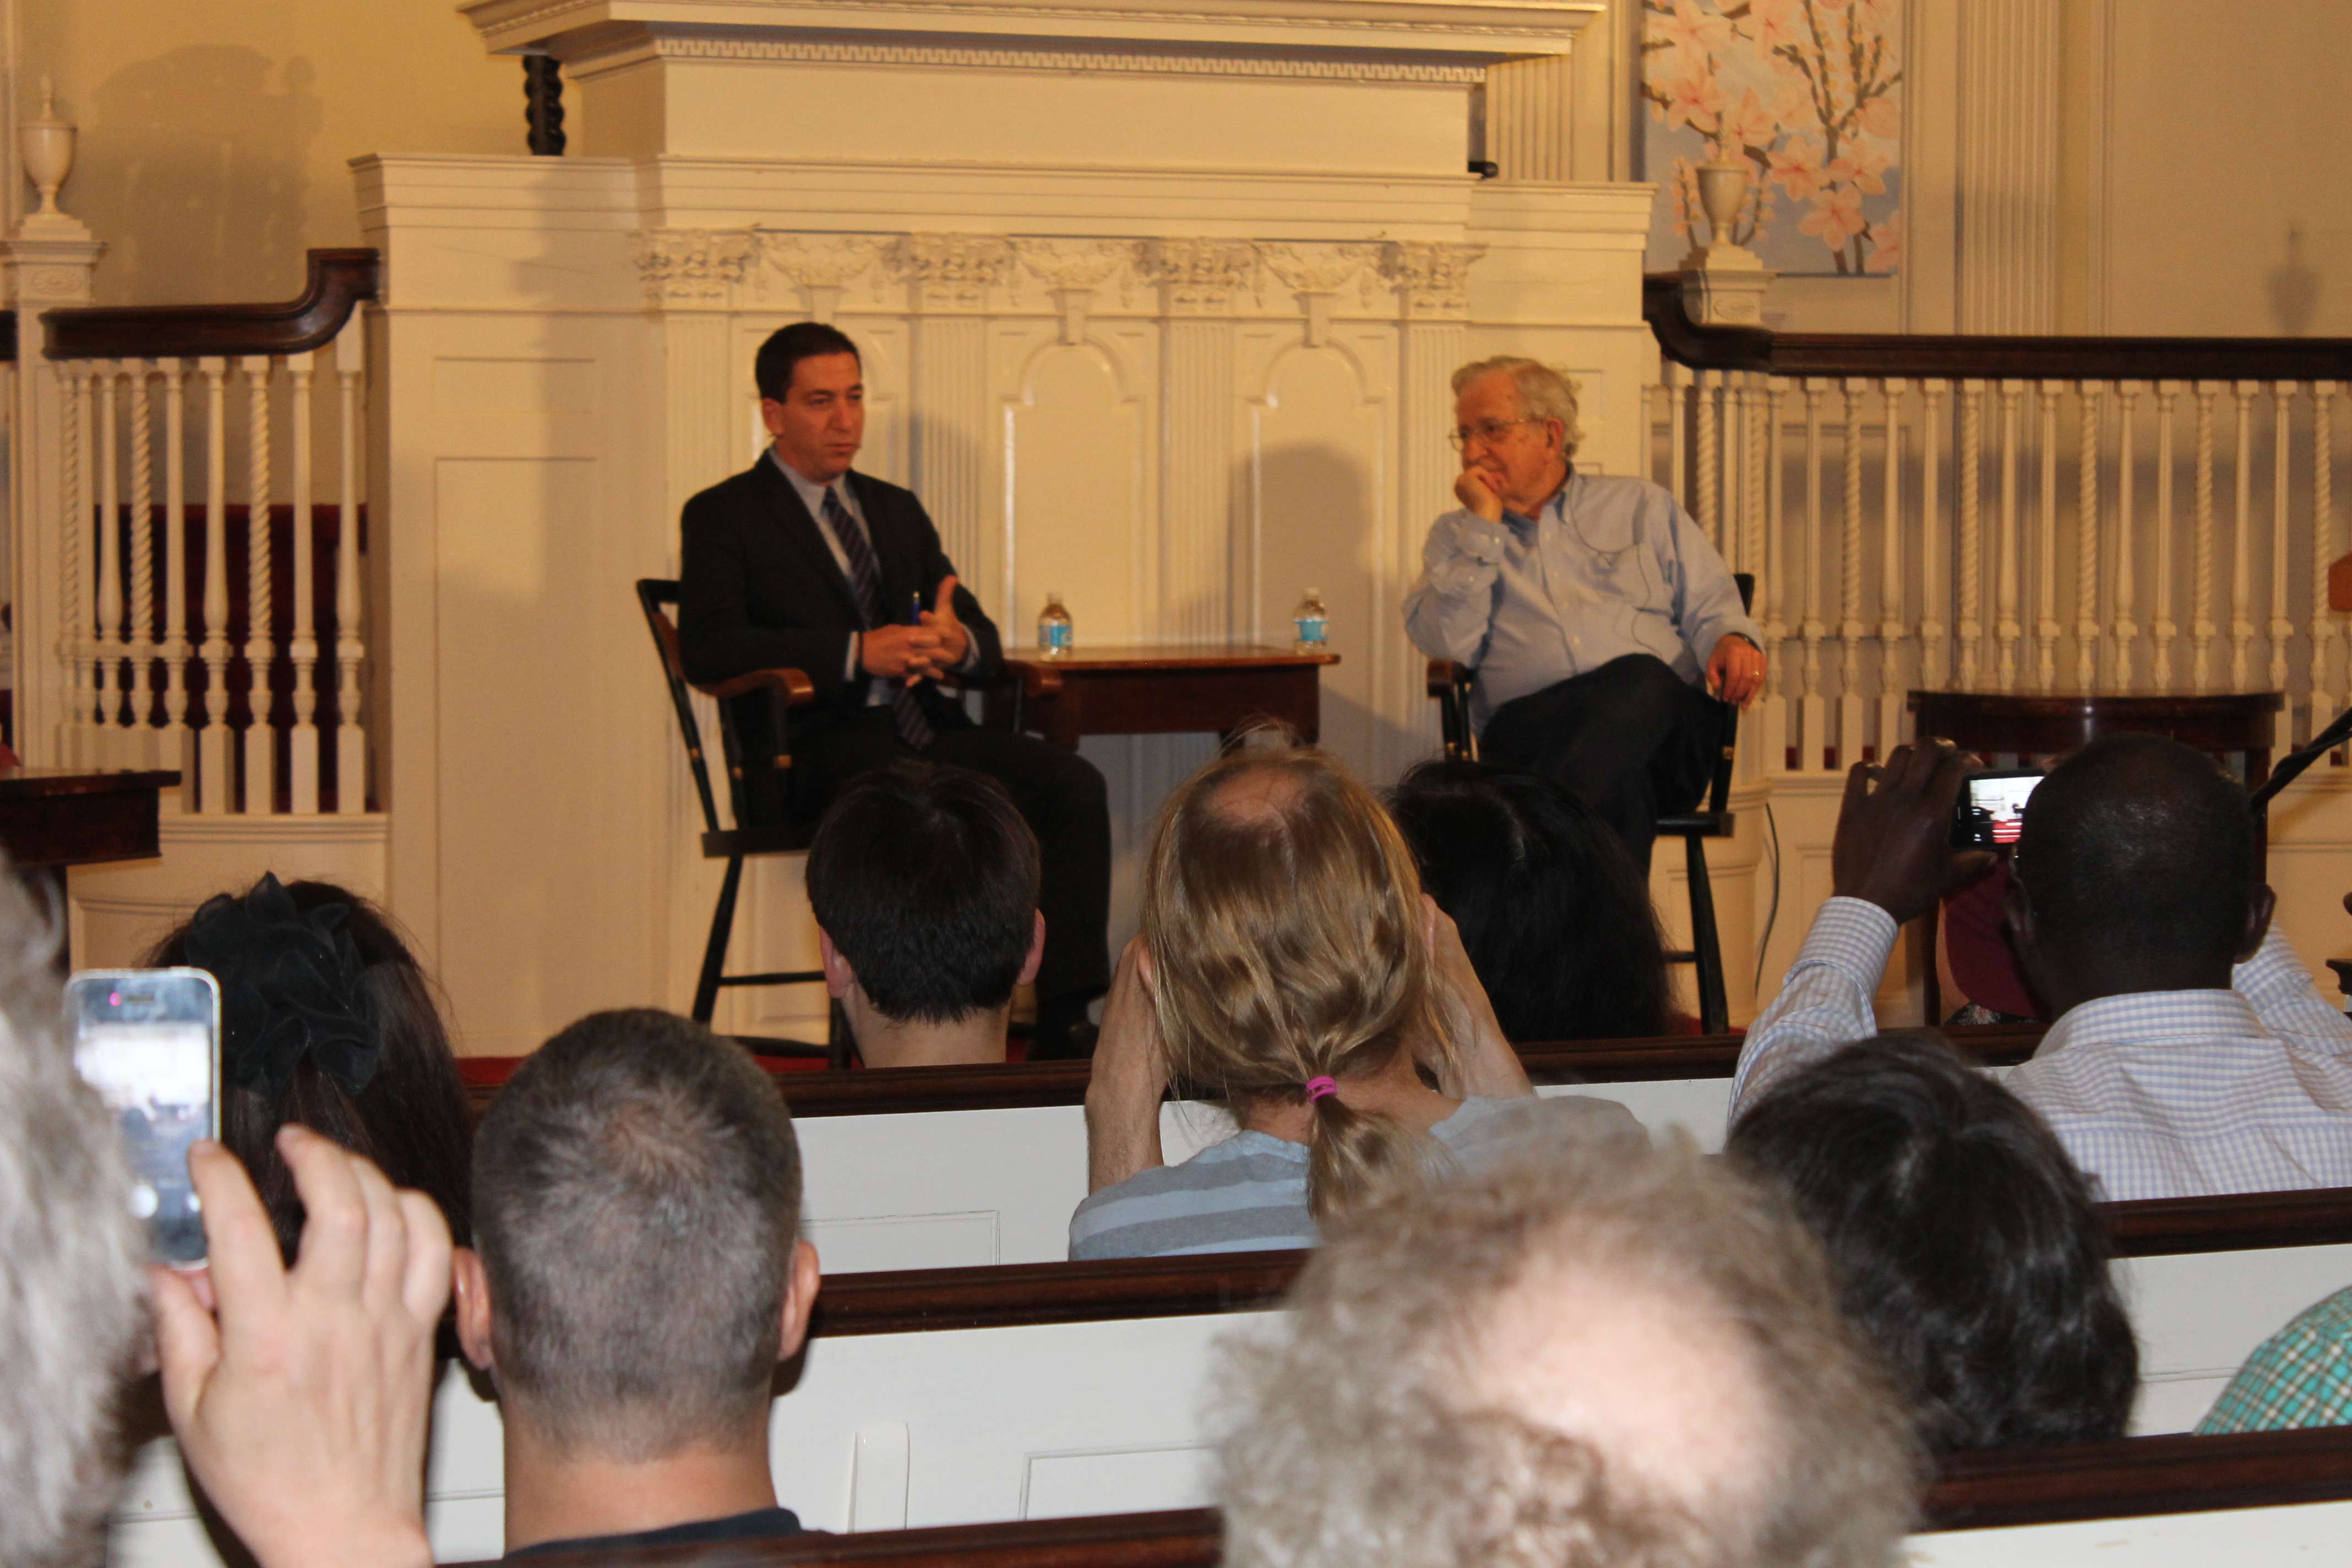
339	280
2134	1478
885	1091
1982	357
2242	1222
1009	1295
7	337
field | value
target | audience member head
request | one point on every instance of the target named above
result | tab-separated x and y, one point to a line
924	880
1555	918
327	1020
1285	927
71	1256
1964	1240
2136	870
1539	392
1592	1351
638	1271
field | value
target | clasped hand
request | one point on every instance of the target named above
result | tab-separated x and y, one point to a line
927	651
1894	834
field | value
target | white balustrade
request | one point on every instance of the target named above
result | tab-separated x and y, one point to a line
157	677
2025	534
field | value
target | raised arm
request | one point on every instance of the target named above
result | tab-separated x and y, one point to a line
1129	1077
1452	603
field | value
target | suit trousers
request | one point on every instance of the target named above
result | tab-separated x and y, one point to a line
1059	794
1633	740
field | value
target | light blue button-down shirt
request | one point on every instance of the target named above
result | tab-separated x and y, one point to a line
1613	566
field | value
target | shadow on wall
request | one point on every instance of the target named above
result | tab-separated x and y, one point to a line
2293	289
193	168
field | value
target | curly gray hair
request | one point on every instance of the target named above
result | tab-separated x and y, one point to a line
1352	1441
1544	393
72	1258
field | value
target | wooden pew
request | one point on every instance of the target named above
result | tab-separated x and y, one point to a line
1002	1149
948	1395
2245	1497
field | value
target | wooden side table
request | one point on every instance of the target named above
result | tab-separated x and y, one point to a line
1175	690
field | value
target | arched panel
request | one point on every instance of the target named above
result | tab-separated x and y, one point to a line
1078	476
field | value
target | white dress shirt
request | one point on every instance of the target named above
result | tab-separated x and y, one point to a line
1613	566
812	494
2158	1094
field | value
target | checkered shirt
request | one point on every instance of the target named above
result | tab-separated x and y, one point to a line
2158	1094
2302	1376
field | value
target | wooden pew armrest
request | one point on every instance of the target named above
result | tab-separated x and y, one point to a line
1446	674
1036	679
794	688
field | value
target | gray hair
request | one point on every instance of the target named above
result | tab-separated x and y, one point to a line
72	1259
636	1204
1348	1444
1544	393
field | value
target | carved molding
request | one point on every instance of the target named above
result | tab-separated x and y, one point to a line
1073	271
952	271
1306	67
685	266
1199	277
1432	276
1316	273
821	265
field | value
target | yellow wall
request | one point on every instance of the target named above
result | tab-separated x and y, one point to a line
214	133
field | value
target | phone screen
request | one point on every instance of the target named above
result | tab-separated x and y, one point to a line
146	1041
1991	809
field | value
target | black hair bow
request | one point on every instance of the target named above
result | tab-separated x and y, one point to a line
289	982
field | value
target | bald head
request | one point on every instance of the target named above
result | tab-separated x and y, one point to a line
1591	1352
2137	866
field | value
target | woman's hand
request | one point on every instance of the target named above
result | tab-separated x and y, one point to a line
1130	1075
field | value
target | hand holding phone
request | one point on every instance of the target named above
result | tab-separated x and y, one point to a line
149	1041
1990	811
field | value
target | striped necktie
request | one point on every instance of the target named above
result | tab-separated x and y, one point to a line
866	576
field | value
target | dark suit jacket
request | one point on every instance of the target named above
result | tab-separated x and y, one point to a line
758	589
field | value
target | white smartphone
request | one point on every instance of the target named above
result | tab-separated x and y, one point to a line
149	1041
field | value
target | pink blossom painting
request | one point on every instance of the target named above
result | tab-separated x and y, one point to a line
1809	95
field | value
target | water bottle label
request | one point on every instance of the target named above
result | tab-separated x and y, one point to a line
1311	628
1053	636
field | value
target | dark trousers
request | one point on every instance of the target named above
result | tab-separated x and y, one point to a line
1058	793
1633	740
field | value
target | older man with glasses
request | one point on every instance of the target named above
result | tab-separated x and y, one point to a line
1593	606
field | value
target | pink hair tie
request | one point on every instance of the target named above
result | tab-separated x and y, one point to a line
1317	1087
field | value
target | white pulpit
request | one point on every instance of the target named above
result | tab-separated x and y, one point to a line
1158	305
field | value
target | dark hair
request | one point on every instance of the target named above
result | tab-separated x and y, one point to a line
787	346
410	1118
926	879
1554	915
1965	1240
2137	846
638	1188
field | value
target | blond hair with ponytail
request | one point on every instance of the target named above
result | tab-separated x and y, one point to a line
1284	922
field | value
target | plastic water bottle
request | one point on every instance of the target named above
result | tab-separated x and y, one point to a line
1313	622
1053	626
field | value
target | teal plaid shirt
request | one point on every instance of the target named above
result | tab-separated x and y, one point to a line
2302	1376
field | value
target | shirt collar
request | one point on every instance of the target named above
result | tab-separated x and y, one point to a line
1556	509
812	494
2155	1015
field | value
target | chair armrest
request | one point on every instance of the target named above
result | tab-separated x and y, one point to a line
1444	675
1036	679
792	689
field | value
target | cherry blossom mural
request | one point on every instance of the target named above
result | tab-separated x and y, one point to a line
1809	95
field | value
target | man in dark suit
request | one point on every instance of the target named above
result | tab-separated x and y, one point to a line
799	562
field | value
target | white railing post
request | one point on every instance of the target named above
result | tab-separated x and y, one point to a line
1933	650
2201	625
2242	539
213	790
2323	547
260	649
141	629
2281	628
2093	396
1891	627
351	737
110	679
1705	503
75	647
1971	599
2008	628
2122	670
302	645
2167	624
2045	589
1850	626
1811	729
178	750
1771	586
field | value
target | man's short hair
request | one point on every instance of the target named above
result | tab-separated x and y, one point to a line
1544	393
787	346
1355	1445
636	1203
2138	845
74	1256
1965	1240
926	879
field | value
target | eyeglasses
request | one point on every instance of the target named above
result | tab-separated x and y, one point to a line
1487	431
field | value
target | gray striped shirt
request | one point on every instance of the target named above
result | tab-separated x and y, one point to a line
1247	1193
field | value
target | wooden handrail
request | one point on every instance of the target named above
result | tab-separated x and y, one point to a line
339	280
879	1090
1964	356
2136	1477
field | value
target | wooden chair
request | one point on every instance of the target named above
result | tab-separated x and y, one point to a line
1449	684
785	689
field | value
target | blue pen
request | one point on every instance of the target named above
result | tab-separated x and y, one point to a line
915	610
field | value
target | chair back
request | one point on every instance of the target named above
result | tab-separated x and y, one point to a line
658	597
1718	789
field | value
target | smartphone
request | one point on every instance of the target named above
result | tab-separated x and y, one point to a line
1990	811
149	1041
